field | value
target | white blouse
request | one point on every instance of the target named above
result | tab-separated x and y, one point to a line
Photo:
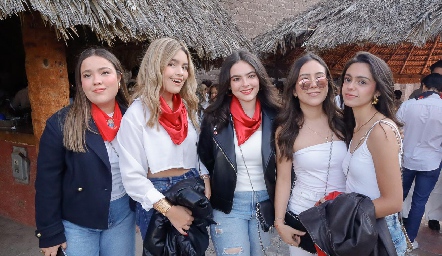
143	148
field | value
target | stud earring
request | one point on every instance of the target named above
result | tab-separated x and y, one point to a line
375	100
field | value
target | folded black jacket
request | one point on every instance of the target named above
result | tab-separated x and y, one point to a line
163	239
347	225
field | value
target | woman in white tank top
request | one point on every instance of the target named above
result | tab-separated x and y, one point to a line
310	138
372	164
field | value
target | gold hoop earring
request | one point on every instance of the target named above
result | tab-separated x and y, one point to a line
375	100
119	85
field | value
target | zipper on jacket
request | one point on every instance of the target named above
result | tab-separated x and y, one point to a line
222	151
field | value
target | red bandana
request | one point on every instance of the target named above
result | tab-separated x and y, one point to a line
107	126
175	122
244	125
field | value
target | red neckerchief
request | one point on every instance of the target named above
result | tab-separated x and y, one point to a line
174	122
107	126
244	125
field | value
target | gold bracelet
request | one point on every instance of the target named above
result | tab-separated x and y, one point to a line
163	206
205	176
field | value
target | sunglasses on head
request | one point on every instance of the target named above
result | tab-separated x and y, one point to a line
321	82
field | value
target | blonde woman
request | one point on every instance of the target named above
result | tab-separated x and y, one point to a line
158	135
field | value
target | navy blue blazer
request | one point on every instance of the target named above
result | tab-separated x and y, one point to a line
70	186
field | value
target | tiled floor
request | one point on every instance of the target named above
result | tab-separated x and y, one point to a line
19	240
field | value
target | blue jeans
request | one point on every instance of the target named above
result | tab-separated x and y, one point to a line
237	232
117	240
397	235
161	184
424	182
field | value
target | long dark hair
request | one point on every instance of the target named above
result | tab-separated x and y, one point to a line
292	118
218	112
384	85
77	119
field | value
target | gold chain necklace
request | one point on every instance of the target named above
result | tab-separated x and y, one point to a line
365	123
320	135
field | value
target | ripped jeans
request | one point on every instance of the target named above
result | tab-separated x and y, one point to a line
236	233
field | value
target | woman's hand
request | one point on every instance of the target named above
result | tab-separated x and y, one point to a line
288	234
52	251
181	218
207	188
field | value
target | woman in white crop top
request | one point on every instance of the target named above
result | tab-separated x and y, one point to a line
372	164
310	138
158	136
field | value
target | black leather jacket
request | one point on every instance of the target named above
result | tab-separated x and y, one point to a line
347	225
216	150
163	239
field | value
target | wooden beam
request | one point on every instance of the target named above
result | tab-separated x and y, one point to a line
409	54
430	54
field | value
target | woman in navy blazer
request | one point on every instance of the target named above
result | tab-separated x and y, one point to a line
81	204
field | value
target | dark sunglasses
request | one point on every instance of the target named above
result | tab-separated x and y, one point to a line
321	82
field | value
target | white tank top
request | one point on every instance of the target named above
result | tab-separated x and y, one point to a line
359	168
310	165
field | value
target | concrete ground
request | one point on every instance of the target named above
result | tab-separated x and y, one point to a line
19	240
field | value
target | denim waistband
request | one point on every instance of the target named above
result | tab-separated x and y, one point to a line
193	172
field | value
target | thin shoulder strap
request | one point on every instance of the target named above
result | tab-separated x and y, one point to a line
393	127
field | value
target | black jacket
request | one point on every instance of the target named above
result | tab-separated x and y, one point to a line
347	225
216	150
70	186
163	239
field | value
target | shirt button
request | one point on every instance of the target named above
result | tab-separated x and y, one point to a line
38	235
80	189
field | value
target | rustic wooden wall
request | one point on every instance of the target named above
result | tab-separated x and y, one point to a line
46	70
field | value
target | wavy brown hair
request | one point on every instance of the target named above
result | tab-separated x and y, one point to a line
383	77
218	112
79	115
292	118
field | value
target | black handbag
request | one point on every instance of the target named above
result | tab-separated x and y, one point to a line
265	212
293	221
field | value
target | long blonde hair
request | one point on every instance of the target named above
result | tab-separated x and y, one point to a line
150	79
79	115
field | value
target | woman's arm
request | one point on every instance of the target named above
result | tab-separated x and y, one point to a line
384	148
282	195
48	185
205	155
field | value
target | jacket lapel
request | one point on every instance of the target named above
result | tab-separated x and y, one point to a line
267	147
95	142
224	139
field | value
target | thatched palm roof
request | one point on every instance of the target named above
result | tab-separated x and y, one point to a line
202	24
329	24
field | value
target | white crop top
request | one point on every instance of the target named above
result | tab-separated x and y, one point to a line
251	150
359	168
143	148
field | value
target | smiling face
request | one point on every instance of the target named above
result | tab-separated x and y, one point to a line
175	74
359	86
312	84
244	82
99	81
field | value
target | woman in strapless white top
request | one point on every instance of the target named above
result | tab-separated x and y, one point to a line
310	138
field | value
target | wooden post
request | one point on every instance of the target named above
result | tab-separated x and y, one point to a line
46	70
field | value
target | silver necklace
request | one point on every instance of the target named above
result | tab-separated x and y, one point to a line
320	135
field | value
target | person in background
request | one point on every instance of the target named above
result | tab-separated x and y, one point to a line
213	91
310	138
422	118
372	164
397	99
158	134
203	97
80	202
236	147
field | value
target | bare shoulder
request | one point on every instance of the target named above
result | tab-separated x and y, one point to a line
385	132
